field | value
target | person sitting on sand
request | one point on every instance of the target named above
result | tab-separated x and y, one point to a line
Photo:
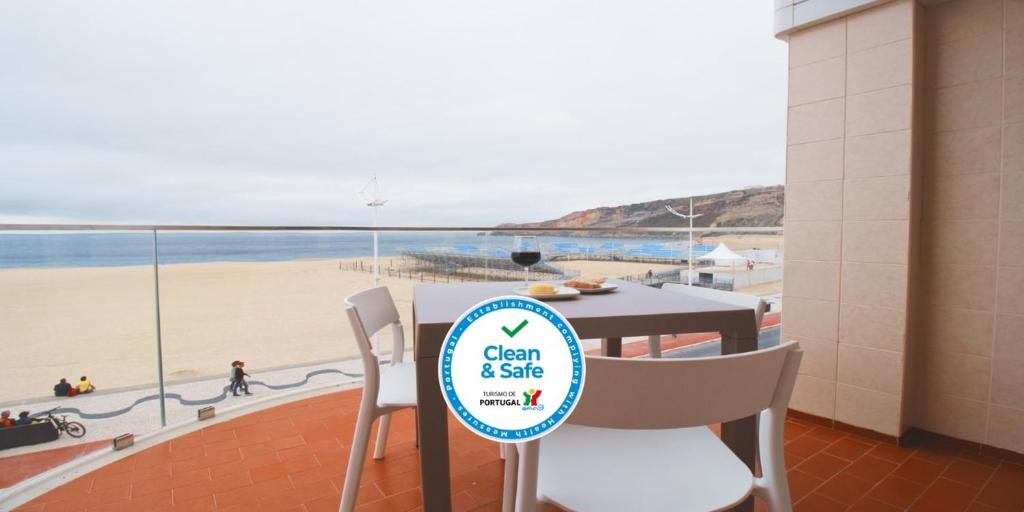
239	379
84	386
62	388
5	419
23	419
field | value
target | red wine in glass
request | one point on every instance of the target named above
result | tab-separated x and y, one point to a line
526	253
526	258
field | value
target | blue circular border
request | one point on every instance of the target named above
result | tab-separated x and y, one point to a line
462	413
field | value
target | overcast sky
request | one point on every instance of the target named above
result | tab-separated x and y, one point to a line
471	113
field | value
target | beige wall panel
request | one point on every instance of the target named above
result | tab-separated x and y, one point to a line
815	161
811	280
872	326
880	154
874	284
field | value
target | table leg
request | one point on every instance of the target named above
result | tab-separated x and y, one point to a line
611	347
741	435
433	434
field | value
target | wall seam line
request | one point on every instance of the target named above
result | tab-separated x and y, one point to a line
999	220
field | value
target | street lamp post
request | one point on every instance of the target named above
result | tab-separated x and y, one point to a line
689	259
374	202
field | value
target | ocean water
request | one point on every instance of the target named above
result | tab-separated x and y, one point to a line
95	249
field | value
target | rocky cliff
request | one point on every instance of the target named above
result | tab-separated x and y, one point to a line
749	207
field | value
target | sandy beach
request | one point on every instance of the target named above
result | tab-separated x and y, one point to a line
100	321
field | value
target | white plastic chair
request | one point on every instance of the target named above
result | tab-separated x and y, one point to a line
737	299
637	440
369	312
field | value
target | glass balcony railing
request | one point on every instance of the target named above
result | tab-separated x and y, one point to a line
129	307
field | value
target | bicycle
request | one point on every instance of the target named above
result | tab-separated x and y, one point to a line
72	428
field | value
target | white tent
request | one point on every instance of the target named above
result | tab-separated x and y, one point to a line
723	255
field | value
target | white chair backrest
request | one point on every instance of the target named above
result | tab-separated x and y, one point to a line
677	393
369	311
734	298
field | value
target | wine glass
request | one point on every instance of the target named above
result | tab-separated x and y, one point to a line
526	253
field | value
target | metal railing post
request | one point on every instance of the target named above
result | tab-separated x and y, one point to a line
159	341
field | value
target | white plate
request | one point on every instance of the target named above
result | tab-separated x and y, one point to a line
561	292
605	288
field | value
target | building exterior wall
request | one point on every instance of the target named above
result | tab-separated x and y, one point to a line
848	211
971	383
905	218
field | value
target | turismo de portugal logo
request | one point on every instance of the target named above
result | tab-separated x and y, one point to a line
511	369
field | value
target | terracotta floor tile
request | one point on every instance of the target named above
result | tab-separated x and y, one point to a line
217	436
190	477
200	504
151	501
967	472
163	470
231	481
301	494
486	492
977	458
981	507
818	503
1006	488
151	486
65	505
399	483
806	446
945	496
325	504
873	505
891	453
871	468
823	465
897	491
300	463
849	448
794	430
240	496
187	452
268	472
845	488
290	441
315	475
259	461
826	434
191	492
294	457
368	493
919	471
402	502
801	484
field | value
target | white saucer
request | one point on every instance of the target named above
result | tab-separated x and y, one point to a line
561	292
605	288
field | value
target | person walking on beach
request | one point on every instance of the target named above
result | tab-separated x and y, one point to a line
238	379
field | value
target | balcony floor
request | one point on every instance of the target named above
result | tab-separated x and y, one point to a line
293	457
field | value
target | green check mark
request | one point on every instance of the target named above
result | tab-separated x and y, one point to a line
513	332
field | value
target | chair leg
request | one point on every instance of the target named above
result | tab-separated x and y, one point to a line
773	485
508	493
654	345
416	412
356	457
382	436
526	484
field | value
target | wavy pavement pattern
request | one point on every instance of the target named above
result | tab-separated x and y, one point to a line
205	401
